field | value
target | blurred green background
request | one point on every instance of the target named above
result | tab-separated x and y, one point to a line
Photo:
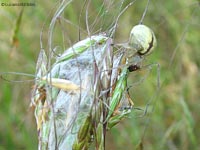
172	119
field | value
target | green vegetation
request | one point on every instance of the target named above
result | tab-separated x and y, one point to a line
172	117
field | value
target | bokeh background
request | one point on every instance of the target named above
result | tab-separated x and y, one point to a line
172	117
